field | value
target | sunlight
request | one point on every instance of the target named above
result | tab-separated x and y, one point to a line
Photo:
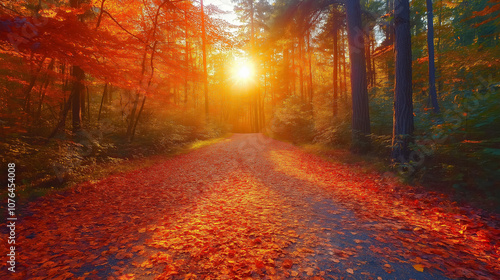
243	71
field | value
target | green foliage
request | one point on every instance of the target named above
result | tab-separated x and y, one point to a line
460	148
336	135
381	98
293	121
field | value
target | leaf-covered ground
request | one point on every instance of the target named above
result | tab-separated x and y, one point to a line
252	208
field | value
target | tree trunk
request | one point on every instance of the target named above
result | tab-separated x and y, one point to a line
62	120
131	117
88	104
204	49
43	91
344	68
311	86
369	74
438	47
83	97
301	68
186	74
293	69
137	119
403	103
27	91
335	71
104	93
360	107
76	97
432	66
374	70
390	41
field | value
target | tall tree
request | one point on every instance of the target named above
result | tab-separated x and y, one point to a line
403	102
78	86
432	66
204	50
360	108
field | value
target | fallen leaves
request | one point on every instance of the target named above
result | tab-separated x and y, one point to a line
424	222
287	263
235	222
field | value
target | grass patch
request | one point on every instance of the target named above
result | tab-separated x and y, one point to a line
367	163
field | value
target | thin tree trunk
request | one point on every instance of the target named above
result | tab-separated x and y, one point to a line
390	41
360	108
293	69
76	93
368	61
403	103
438	47
78	86
255	90
88	105
186	74
131	117
204	49
344	58
137	119
311	86
83	97
432	66
62	120
43	90
286	68
374	68
29	88
335	71
301	68
104	93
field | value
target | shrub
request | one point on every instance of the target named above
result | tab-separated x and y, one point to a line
293	121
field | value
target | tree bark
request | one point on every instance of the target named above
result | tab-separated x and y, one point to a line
76	97
360	106
432	66
403	103
335	71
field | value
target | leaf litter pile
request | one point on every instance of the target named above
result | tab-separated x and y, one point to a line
252	208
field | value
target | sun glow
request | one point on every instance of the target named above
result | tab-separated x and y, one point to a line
243	71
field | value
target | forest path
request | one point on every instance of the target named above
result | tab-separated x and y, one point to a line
250	207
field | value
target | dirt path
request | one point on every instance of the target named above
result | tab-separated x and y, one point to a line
251	207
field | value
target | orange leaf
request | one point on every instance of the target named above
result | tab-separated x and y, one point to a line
309	271
287	263
349	270
259	264
418	267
